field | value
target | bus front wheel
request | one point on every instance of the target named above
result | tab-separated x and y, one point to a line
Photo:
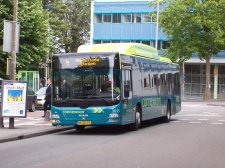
79	127
137	121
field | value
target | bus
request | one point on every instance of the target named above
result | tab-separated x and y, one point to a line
113	84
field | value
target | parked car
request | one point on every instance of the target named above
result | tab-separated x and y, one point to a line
31	101
41	97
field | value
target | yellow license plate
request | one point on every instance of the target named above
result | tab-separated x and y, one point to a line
83	122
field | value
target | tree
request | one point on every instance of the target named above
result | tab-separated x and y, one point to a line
193	27
70	24
33	44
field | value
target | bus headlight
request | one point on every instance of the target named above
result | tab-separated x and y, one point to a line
55	116
113	115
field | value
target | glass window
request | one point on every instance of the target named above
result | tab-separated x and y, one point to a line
97	41
98	18
136	18
126	18
146	42
117	18
106	41
154	19
195	69
135	41
146	18
107	18
165	44
115	41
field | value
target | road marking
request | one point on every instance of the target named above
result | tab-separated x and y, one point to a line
221	120
203	119
175	121
192	122
216	123
184	119
201	115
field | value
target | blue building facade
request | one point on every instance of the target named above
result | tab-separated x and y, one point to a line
124	21
115	21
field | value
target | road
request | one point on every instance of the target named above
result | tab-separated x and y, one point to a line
193	139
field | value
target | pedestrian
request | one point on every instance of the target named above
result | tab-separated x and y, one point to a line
47	96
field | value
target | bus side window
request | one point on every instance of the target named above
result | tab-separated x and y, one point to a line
154	81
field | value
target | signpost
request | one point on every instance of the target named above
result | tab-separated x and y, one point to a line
13	99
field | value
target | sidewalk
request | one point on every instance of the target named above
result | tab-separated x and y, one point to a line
35	125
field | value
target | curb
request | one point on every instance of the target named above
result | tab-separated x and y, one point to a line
35	134
216	105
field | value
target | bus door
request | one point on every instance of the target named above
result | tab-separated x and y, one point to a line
127	93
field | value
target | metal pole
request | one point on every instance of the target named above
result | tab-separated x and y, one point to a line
15	6
157	26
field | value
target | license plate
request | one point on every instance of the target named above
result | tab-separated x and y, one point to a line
83	122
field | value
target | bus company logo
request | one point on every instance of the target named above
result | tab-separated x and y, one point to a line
97	110
149	102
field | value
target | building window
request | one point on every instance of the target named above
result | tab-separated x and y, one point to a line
165	45
98	18
97	41
146	18
126	18
135	41
107	18
116	18
146	42
154	19
136	18
115	41
106	41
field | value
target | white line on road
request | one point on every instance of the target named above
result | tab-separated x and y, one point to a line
221	120
215	123
195	122
203	119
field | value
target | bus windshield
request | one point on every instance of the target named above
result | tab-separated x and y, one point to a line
85	80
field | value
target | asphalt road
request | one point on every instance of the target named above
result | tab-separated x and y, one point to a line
194	138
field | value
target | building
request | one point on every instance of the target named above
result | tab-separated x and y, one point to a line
115	21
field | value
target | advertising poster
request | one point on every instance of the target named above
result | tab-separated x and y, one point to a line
14	94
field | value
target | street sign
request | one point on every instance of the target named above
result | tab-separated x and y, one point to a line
7	39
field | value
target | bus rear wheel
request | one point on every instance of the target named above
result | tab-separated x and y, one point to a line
79	127
168	113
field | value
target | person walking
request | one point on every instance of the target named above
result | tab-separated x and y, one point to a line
47	96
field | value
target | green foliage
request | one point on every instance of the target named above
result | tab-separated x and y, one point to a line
69	28
33	43
70	24
193	27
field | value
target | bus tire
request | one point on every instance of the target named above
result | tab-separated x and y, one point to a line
79	127
137	121
168	113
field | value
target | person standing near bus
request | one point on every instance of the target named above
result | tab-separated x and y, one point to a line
47	96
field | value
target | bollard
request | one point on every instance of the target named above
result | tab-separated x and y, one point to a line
48	115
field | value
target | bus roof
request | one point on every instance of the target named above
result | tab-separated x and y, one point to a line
163	59
138	49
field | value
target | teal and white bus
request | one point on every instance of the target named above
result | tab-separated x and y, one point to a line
113	84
